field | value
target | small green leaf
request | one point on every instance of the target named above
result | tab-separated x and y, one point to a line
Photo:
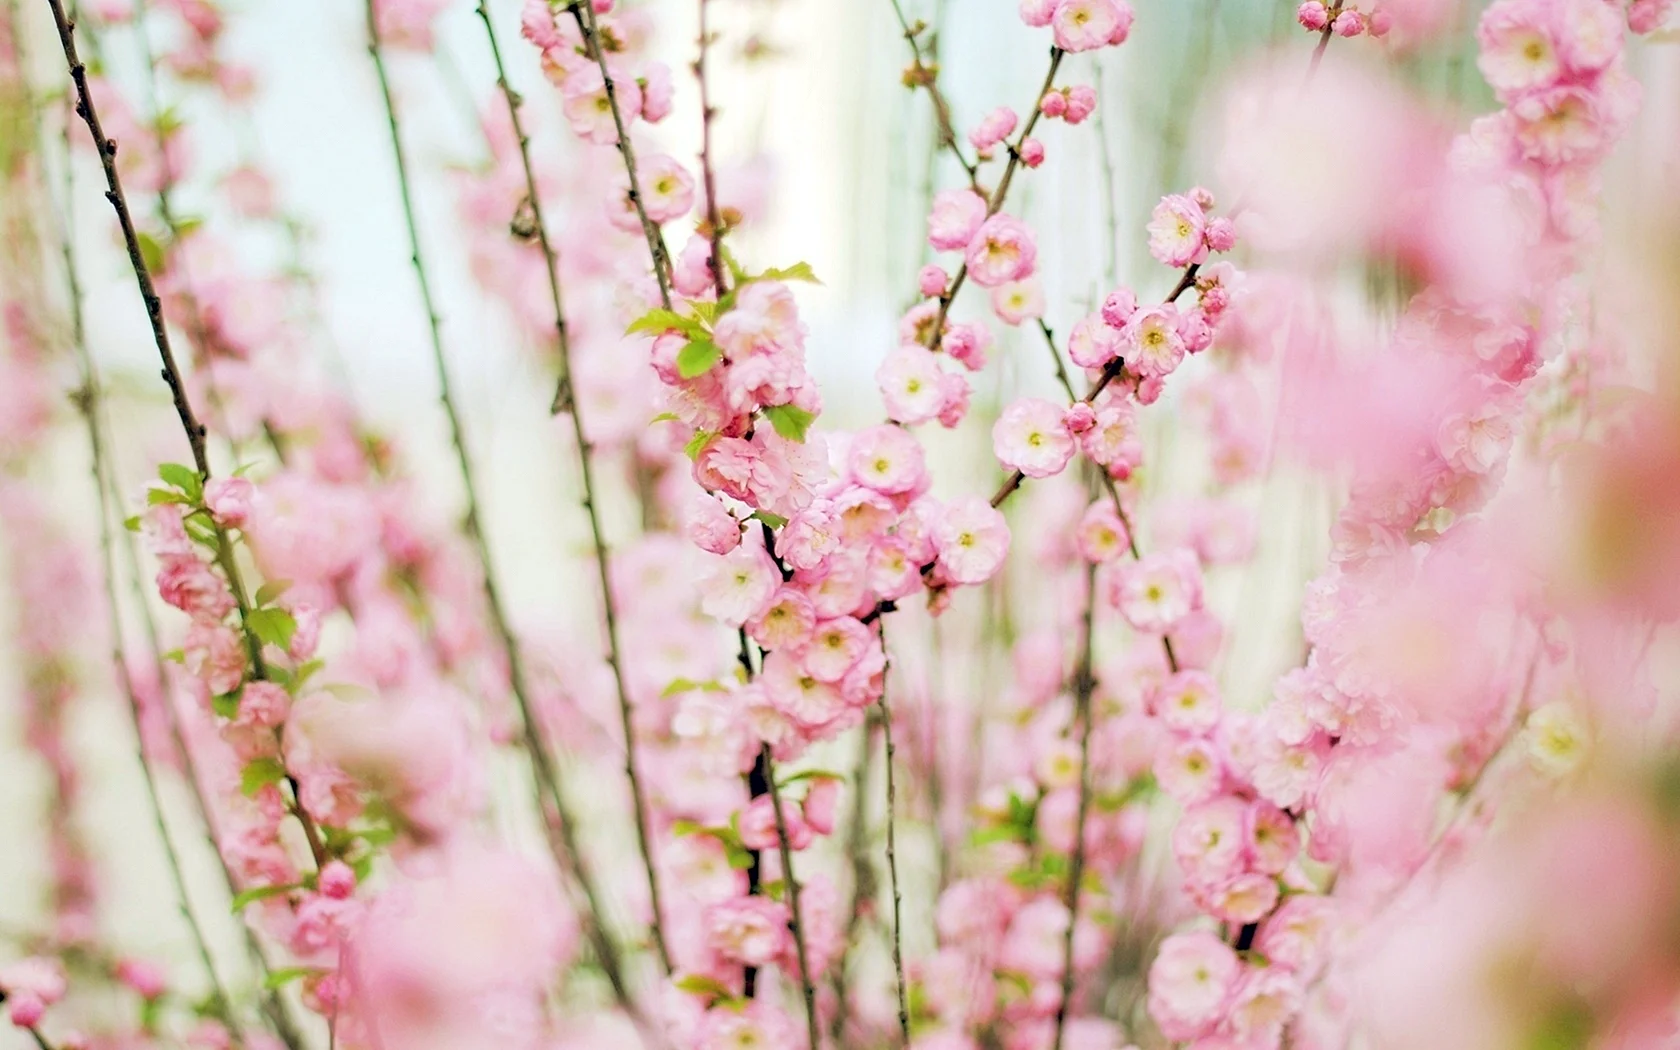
658	322
151	252
273	625
774	890
790	421
775	521
688	685
739	858
684	828
697	444
697	984
809	774
132	523
282	977
156	496
272	590
226	705
663	417
799	271
706	311
246	898
184	478
698	358
260	774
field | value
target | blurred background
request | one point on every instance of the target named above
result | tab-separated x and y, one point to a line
811	98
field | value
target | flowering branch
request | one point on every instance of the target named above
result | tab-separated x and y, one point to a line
583	13
195	431
562	399
999	195
546	782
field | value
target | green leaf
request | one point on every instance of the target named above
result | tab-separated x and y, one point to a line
272	625
684	828
658	322
282	977
799	271
688	685
184	478
226	705
739	858
260	774
272	590
775	521
151	252
697	984
790	421
706	311
774	890
304	672
246	898
809	774
663	417
132	523
156	496
698	358
697	444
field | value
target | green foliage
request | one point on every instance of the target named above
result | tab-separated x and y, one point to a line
790	421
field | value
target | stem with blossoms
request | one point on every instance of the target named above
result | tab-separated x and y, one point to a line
564	400
995	203
583	13
89	399
559	825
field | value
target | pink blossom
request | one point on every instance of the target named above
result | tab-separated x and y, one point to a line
1312	15
910	384
1177	232
1082	102
971	539
955	218
1102	537
997	125
834	647
1093	343
709	525
1084	25
740	584
1191	983
1154	342
933	280
820	804
1029	437
230	500
1157	591
1001	250
588	109
1017	301
748	930
888	459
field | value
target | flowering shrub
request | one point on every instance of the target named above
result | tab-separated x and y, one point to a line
1295	670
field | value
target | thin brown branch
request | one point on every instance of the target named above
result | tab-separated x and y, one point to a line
797	922
584	14
1084	685
714	220
586	471
892	866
